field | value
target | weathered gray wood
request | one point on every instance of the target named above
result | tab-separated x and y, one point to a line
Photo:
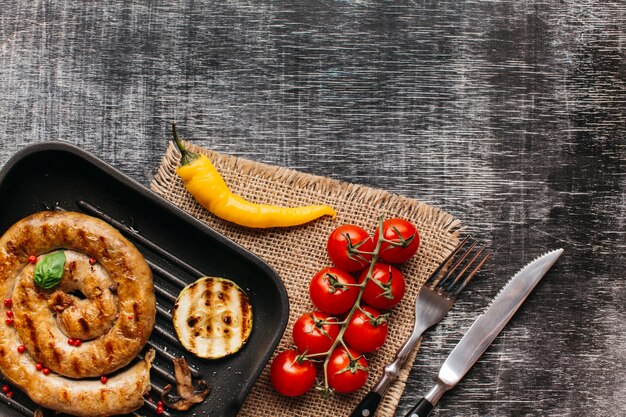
509	114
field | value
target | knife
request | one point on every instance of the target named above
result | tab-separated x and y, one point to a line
484	330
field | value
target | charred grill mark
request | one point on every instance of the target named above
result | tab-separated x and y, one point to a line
224	294
192	321
44	230
192	344
136	311
2	352
108	347
246	309
207	297
25	242
104	249
83	324
65	396
76	365
71	268
32	331
81	235
64	235
11	248
55	353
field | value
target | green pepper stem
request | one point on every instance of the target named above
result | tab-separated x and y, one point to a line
186	156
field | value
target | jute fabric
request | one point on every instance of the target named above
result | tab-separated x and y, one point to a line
298	253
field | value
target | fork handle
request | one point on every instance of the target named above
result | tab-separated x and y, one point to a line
422	409
368	405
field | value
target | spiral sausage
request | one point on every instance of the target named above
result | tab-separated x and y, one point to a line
105	299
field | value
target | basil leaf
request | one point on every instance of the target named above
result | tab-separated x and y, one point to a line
49	270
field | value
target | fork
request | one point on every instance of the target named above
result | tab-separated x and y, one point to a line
433	302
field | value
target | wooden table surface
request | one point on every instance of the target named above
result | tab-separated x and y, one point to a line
508	114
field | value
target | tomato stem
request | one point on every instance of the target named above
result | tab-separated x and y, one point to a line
352	285
355	307
401	241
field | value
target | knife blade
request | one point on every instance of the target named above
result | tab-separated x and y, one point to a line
485	329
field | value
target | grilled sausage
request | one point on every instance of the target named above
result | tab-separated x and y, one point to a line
110	306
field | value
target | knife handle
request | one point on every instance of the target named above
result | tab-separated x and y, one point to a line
422	409
368	405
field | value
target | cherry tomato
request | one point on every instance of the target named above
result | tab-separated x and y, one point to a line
329	292
315	332
401	240
350	247
347	370
367	330
291	375
388	289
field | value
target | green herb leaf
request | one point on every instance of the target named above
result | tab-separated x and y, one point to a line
49	270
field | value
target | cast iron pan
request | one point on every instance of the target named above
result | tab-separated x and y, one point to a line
57	175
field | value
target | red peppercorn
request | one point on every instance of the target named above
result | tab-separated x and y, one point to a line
38	366
5	388
159	410
46	371
21	349
104	379
92	261
32	259
78	342
70	341
8	303
10	394
160	404
9	313
9	322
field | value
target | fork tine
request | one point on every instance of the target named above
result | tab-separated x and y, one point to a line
471	274
455	266
450	285
458	263
443	264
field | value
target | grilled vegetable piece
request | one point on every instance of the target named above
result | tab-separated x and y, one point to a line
187	394
212	317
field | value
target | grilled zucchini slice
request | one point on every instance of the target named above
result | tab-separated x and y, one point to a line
212	317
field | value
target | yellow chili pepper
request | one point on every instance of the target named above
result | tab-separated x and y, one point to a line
208	187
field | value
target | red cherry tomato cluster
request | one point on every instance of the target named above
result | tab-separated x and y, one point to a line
349	299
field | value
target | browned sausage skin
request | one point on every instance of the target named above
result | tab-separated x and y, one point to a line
109	306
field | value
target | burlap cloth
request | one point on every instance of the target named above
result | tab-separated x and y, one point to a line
297	253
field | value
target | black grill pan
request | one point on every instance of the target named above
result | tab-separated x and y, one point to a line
178	247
